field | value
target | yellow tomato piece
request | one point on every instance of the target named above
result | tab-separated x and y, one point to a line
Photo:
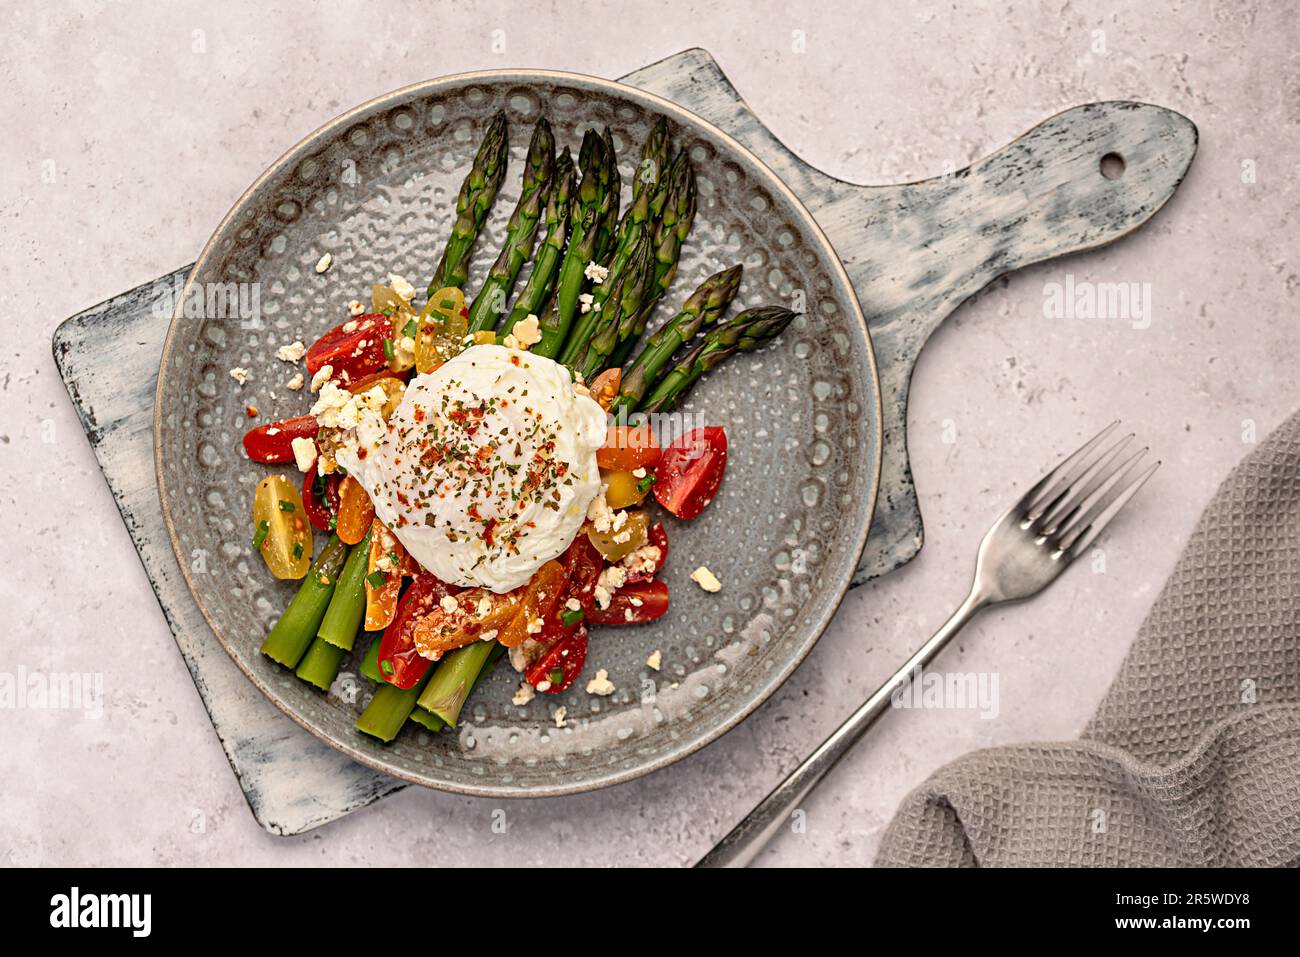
623	489
485	337
443	325
614	545
280	527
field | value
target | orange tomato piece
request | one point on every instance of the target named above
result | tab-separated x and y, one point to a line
541	596
628	447
389	557
478	613
356	512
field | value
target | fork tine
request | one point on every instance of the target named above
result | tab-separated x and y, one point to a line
1098	516
1048	487
1078	491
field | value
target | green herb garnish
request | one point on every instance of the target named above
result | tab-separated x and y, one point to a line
389	352
263	529
645	483
286	506
376	579
571	617
297	550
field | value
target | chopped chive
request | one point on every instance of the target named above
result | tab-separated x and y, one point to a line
645	483
376	579
571	617
297	550
389	352
334	522
392	557
286	506
556	675
410	329
387	311
386	666
263	529
447	304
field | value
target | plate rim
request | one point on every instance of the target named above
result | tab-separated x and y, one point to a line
771	683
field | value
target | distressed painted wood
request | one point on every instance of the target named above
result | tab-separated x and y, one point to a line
915	252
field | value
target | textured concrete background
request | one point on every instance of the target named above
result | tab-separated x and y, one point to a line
132	128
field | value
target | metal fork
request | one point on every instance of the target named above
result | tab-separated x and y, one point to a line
1025	550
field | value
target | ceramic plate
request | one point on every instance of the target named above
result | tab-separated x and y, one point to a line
375	188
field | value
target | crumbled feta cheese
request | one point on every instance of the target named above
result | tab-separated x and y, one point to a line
535	626
304	453
560	713
484	606
622	538
655	660
601	684
620	519
573	604
706	579
324	262
239	374
404	351
321	377
524	695
612	578
585	301
596	272
490	635
528	331
273	431
638	473
599	513
292	352
448	604
351	325
355	308
294	384
384	562
401	286
510	341
331	405
644	559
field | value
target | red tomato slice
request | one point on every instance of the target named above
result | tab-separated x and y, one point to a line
399	663
658	537
628	447
354	349
320	512
691	471
558	669
583	564
274	442
633	604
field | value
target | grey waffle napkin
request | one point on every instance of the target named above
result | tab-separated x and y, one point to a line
1193	758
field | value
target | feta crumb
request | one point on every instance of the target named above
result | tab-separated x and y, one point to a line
324	262
321	377
535	626
304	453
596	272
601	684
599	513
586	300
490	635
401	286
294	384
351	325
355	308
448	604
620	519
484	607
560	713
639	473
655	660
623	537
273	431
404	351
706	579
292	352
239	374
528	332
511	342
524	695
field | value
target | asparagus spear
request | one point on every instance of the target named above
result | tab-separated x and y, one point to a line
617	319
670	234
750	329
490	303
320	665
537	290
296	629
611	202
589	206
454	679
704	307
654	160
472	205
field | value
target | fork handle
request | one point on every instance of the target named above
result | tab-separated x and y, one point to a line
748	838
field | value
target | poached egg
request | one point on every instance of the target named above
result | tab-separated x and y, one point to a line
486	469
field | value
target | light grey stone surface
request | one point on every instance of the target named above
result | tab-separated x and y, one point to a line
132	130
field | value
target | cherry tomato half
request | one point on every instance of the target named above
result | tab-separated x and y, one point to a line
274	442
658	537
399	663
320	498
633	604
628	447
691	471
354	349
558	669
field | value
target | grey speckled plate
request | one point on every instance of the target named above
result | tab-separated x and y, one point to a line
375	188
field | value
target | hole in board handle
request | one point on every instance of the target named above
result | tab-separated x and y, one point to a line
1112	166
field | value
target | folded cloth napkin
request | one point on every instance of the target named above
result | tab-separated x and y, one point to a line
1193	758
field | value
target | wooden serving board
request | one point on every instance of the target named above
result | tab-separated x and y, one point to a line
914	253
